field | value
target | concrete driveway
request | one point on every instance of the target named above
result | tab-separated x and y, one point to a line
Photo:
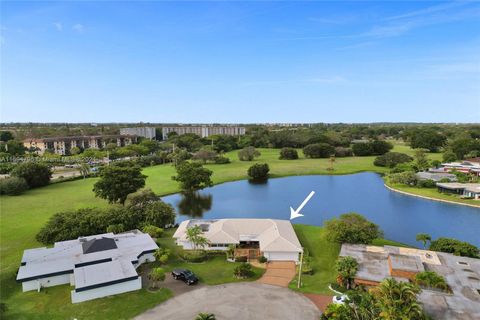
246	300
279	273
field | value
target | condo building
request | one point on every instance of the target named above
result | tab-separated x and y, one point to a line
146	132
204	131
64	145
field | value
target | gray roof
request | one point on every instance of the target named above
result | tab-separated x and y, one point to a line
96	245
436	176
65	256
405	262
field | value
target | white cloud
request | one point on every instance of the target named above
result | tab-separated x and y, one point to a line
78	28
58	26
428	10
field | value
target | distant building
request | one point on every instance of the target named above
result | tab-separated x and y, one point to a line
466	190
98	266
146	132
465	166
204	131
63	145
436	176
461	274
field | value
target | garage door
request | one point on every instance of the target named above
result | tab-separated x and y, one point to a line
283	256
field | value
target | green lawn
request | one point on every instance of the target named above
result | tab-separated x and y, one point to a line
216	270
324	255
22	216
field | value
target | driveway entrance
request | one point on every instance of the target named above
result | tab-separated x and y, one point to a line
247	300
279	273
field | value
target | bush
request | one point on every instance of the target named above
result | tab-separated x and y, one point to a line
221	160
6	168
391	159
431	279
162	255
408	178
380	147
288	154
362	149
456	247
153	231
426	183
375	148
449	156
116	228
351	228
341	152
35	174
318	150
262	259
13	186
259	171
248	154
242	271
157	274
194	256
241	259
68	225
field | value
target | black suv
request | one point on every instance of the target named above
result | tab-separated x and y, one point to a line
186	276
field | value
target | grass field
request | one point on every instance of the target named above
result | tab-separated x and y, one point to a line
22	216
324	255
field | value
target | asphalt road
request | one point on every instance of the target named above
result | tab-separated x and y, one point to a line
246	301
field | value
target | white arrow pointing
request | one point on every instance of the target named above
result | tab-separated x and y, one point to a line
296	213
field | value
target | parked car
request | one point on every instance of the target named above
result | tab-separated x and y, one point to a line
186	276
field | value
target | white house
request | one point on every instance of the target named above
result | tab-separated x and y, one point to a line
274	239
98	266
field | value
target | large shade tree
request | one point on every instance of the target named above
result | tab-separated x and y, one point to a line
352	228
118	181
193	176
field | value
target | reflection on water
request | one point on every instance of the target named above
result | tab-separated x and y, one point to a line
194	204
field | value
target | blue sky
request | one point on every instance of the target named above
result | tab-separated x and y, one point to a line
243	62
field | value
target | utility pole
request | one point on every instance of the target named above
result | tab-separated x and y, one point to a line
300	270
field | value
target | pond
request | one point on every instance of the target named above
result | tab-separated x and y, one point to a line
400	217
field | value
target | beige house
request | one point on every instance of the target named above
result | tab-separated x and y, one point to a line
274	239
63	145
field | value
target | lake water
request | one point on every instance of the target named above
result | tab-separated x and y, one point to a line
401	217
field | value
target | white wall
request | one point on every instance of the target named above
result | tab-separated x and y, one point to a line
187	245
281	256
46	282
106	291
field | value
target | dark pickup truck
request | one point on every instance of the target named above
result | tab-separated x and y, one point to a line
186	276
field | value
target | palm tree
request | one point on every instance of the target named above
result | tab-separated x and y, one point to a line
84	170
398	300
424	237
205	316
332	161
194	235
347	268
